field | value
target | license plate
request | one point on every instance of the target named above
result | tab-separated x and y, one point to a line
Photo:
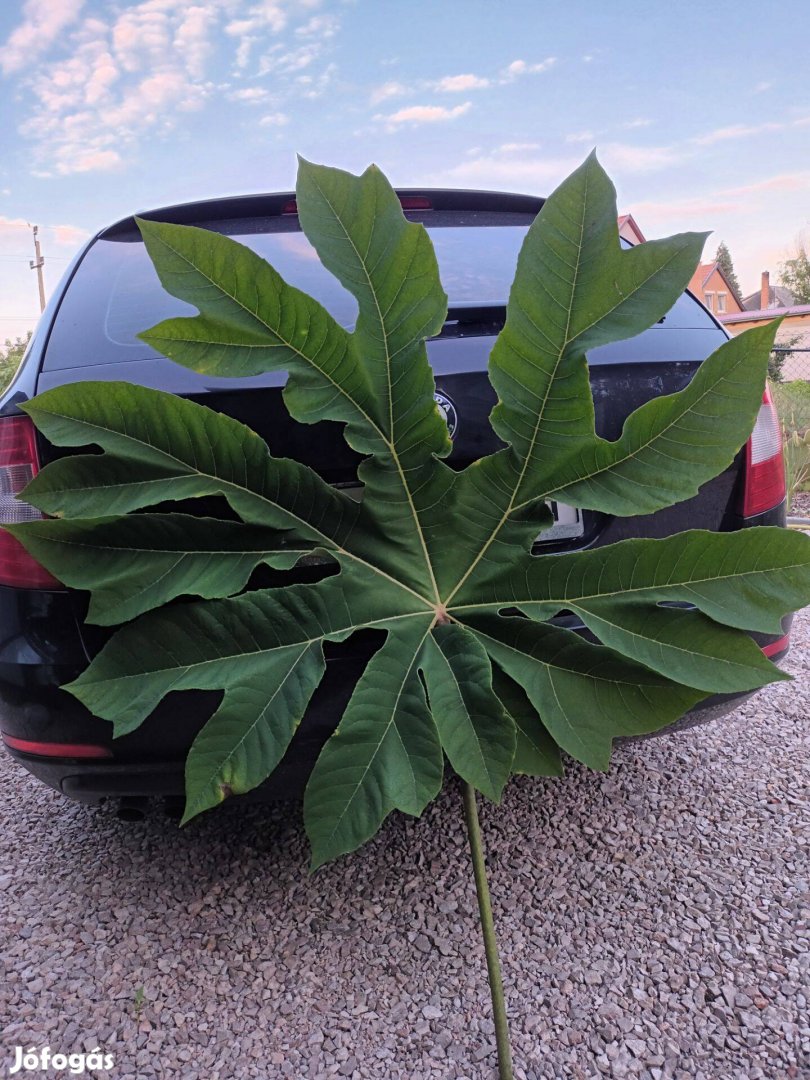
568	524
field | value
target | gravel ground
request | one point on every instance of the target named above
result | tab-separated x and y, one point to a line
650	923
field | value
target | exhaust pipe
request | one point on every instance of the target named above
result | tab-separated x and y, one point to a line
132	808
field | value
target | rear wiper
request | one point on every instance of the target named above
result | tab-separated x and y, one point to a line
475	313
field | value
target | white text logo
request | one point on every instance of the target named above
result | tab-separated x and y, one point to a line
33	1060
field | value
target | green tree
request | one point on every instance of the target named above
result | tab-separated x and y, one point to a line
794	274
11	353
723	257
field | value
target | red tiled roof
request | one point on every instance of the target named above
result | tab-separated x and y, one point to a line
701	275
628	219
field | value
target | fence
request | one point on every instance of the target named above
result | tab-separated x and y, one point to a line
790	381
790	364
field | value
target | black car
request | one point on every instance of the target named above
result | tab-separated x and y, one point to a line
111	293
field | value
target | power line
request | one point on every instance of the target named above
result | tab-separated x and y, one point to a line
51	258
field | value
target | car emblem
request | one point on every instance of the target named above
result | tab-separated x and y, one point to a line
448	411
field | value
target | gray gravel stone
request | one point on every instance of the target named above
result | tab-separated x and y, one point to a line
650	923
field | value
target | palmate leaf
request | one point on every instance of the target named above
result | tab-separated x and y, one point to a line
469	668
385	755
142	562
475	728
736	580
376	380
536	753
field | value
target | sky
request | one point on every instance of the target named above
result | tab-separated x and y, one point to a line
701	113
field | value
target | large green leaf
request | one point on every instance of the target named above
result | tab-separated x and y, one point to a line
251	321
476	732
385	755
181	450
586	694
673	444
742	580
376	379
136	564
536	753
489	657
575	288
249	733
388	264
223	644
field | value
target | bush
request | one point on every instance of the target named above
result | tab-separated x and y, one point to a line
793	405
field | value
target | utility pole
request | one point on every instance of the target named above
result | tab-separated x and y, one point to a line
36	264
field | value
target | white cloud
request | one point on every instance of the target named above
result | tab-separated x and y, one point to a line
636	159
252	26
43	22
639	122
265	16
113	80
192	38
251	95
761	87
747	131
504	170
276	119
103	74
91	161
580	137
425	114
284	62
460	84
795	181
388	90
69	236
692	209
736	131
517	147
315	86
509	174
520	67
321	26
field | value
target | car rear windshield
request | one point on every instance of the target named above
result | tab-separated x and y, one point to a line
115	293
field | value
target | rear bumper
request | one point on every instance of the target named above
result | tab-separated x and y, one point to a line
41	649
93	781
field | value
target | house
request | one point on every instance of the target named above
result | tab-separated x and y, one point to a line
711	286
629	230
769	296
771	302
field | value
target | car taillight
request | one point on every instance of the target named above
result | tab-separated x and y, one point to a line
764	462
777	646
18	466
56	749
415	202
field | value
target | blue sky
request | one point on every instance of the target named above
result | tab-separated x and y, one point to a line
700	112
